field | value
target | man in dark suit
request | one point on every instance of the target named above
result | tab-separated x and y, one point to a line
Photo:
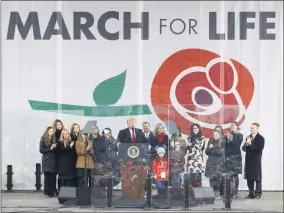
148	134
131	134
253	147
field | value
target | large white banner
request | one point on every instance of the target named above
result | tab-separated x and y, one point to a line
205	62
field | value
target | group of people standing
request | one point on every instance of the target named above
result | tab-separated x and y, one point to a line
63	155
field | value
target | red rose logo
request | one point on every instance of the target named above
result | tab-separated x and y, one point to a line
198	86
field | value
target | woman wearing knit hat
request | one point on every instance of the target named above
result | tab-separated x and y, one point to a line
177	163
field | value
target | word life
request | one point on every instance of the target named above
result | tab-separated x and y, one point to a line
244	25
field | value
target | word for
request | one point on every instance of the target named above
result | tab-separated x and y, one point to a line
178	26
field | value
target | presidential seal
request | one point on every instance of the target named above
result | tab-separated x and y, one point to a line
133	151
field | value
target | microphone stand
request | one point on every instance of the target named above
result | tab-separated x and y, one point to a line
85	167
109	160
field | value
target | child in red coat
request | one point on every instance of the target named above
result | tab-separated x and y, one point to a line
160	166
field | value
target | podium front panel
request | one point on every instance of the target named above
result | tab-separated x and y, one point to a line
134	152
99	180
133	170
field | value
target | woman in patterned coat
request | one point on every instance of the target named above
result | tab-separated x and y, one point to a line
195	149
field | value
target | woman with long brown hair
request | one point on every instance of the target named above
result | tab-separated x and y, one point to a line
65	159
94	137
58	127
84	148
195	147
215	160
74	135
74	132
47	148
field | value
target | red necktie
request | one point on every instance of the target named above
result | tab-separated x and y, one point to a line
133	137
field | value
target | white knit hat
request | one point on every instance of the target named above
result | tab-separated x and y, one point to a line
177	143
161	150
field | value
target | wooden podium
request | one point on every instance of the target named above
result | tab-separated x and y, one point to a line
133	178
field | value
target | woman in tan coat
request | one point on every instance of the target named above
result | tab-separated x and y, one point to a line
84	148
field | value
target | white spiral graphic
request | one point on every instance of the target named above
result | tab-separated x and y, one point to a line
216	104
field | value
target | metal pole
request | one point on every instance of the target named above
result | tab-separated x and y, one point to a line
38	173
9	174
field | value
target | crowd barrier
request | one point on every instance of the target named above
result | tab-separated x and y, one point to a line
102	193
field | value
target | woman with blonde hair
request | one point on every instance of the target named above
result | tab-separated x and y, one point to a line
65	161
47	148
84	148
160	139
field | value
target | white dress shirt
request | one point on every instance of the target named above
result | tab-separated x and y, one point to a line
253	136
147	134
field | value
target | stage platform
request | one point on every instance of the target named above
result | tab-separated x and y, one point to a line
37	202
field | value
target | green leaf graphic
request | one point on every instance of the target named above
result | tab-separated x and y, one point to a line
109	91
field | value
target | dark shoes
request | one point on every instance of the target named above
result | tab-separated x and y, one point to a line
250	196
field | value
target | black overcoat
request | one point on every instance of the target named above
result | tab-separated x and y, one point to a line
253	170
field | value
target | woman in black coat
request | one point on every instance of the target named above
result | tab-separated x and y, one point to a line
47	149
106	159
58	127
215	160
66	166
233	155
94	137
